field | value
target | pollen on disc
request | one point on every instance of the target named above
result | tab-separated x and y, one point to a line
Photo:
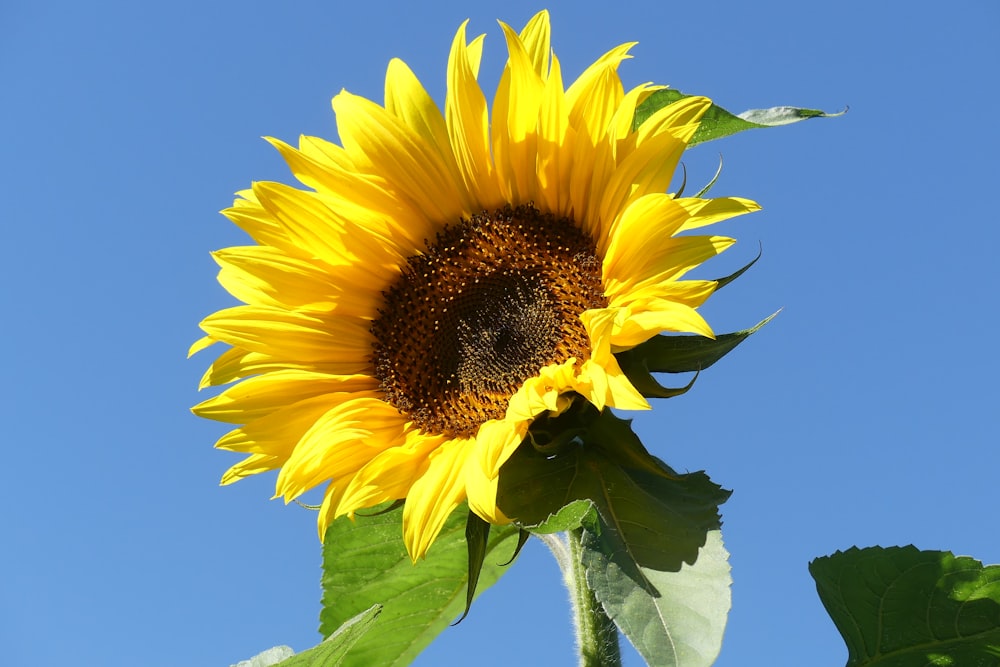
491	301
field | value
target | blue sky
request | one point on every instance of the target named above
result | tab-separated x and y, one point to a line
864	414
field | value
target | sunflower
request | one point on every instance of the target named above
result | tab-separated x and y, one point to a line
446	279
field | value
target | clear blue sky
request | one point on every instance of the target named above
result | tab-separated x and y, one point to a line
866	413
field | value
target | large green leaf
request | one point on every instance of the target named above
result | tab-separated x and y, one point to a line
649	516
332	650
718	123
902	607
365	562
684	624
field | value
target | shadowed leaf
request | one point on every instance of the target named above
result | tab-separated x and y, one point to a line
649	516
677	354
902	607
477	535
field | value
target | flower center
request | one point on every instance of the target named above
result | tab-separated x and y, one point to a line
492	300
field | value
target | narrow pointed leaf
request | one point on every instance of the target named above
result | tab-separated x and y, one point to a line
683	625
522	538
477	535
678	354
365	563
722	282
902	607
646	384
718	123
708	186
332	650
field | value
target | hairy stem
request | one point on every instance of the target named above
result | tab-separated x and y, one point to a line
596	634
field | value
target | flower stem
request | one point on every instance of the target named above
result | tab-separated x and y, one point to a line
596	634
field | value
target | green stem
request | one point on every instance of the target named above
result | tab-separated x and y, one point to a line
596	634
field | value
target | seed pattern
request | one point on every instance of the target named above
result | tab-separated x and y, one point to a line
491	301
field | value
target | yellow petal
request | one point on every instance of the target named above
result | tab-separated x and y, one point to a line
259	396
691	293
515	119
322	233
294	335
496	441
333	157
434	496
653	317
680	119
605	385
554	134
536	37
250	216
647	169
266	276
648	219
541	393
251	465
662	262
594	96
601	379
381	143
237	363
468	120
356	199
340	442
389	475
277	433
406	98
703	212
200	344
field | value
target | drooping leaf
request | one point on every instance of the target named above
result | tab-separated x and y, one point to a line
646	384
522	538
902	607
365	563
649	516
718	123
477	536
332	650
684	624
677	354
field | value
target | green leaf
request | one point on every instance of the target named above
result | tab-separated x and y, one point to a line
365	562
477	535
677	354
568	518
649	516
718	123
684	624
268	658
331	651
902	607
722	282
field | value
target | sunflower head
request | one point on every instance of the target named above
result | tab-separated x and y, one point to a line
443	280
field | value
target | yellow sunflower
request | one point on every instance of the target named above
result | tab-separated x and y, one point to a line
447	279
